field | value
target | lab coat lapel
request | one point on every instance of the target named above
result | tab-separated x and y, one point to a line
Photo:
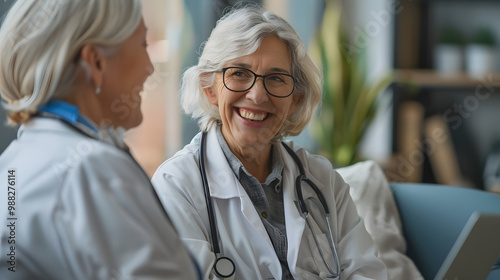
225	185
295	224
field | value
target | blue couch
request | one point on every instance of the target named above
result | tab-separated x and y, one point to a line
433	216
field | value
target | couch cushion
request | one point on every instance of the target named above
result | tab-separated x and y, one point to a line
434	216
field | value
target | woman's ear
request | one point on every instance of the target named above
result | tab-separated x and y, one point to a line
211	96
95	61
296	100
209	91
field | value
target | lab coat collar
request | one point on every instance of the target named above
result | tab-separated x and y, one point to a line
45	124
112	136
220	176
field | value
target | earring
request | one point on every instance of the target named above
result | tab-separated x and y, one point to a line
98	90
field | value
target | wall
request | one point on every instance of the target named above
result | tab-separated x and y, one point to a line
370	24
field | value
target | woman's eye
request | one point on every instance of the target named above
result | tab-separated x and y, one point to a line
276	78
240	74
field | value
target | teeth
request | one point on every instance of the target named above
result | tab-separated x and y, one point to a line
251	116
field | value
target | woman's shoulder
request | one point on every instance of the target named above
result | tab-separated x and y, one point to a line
178	178
62	149
71	153
182	161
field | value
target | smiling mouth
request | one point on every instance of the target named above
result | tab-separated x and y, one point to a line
251	116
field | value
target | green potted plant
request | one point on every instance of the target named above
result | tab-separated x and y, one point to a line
480	53
349	99
448	52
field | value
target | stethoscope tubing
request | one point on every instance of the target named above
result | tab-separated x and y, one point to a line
221	262
305	211
302	178
302	207
208	197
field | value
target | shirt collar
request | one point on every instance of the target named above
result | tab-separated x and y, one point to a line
67	112
237	166
70	113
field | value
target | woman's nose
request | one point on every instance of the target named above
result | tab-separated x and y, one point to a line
150	69
258	93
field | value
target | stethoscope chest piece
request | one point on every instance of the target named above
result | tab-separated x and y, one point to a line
224	267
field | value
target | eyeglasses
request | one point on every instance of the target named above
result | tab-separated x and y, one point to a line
240	79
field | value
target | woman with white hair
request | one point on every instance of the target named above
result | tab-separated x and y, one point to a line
246	203
76	204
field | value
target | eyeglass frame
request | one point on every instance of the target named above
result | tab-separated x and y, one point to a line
255	76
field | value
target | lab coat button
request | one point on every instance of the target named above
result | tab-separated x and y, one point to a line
277	189
264	215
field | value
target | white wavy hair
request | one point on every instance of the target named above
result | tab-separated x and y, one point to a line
240	33
40	41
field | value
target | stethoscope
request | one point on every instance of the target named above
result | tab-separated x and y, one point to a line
224	267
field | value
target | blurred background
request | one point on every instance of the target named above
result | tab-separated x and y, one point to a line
413	85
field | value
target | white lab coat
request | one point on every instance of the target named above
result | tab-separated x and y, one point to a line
243	236
84	210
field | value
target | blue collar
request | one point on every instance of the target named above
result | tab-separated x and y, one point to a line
67	112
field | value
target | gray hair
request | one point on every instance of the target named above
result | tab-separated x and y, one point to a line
240	33
40	41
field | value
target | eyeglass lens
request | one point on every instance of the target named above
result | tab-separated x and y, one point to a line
242	79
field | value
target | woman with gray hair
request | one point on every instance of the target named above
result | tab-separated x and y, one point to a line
260	208
76	203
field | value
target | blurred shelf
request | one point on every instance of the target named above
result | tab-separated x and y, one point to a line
418	24
433	79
